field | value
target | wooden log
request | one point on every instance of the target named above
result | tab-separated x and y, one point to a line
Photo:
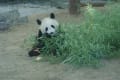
73	7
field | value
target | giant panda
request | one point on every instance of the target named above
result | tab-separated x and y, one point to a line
48	27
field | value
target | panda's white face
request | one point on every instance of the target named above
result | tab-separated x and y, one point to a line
50	30
48	25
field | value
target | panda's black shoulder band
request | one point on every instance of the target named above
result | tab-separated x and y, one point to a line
39	34
52	15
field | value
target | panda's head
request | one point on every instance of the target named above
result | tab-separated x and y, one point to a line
48	25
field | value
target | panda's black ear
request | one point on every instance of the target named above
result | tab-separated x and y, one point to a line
38	22
52	15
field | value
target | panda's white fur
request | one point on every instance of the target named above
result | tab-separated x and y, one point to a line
47	22
50	23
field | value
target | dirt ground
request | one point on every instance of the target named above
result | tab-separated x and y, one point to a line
16	65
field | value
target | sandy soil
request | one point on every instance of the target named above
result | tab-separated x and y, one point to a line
16	65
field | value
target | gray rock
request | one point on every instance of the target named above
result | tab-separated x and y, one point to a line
22	20
8	18
3	25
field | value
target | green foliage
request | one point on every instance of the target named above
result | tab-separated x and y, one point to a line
97	37
85	44
30	42
54	45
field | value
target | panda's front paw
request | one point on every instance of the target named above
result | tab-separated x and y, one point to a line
34	52
47	35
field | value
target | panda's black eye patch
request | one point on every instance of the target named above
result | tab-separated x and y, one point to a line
46	29
52	26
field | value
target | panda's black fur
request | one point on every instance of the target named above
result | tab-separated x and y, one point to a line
52	16
35	51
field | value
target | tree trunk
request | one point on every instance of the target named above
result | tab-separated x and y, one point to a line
74	7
